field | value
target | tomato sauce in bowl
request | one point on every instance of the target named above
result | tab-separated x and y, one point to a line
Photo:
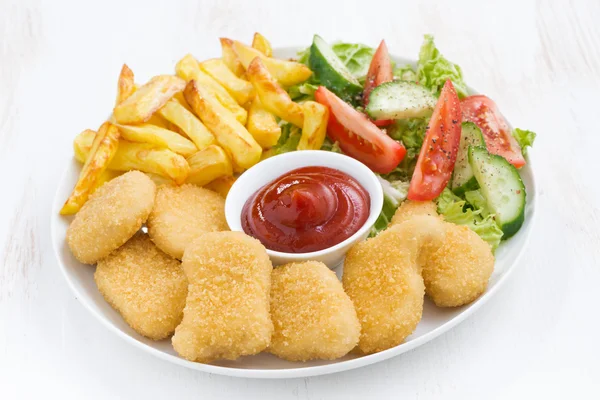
307	209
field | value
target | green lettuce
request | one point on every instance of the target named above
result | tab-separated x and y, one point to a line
357	57
433	69
411	133
456	210
328	145
288	141
303	91
394	193
524	138
405	73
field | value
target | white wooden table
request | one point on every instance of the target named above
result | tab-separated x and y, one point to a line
540	61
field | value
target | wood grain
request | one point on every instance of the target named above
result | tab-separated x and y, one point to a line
540	61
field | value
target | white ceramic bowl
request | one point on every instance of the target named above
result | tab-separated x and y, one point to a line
272	168
435	322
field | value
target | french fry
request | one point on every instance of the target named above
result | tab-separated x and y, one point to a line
314	129
260	43
262	125
189	69
230	134
177	114
147	133
159	179
140	106
179	97
143	157
126	87
241	90
221	185
105	176
272	96
287	73
103	149
208	165
230	58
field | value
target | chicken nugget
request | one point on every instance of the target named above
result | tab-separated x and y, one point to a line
382	276
410	208
227	308
458	271
312	316
111	216
146	286
181	214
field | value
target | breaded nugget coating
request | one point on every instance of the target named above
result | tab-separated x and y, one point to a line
410	208
146	286
227	308
111	216
181	214
458	271
382	276
312	316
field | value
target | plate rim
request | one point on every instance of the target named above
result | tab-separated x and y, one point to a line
301	372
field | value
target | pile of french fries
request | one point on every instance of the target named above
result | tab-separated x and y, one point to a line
205	125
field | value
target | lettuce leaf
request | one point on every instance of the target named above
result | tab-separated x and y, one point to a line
288	141
394	193
405	73
411	133
455	210
328	145
433	69
303	91
525	138
357	57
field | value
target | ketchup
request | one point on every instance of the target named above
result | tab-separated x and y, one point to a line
307	209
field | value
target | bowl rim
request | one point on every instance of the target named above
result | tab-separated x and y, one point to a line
376	198
302	372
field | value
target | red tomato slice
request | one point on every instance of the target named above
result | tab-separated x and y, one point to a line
358	137
440	147
484	113
380	71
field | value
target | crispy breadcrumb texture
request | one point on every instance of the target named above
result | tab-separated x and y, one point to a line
111	216
312	316
458	272
382	276
409	209
181	214
146	286
227	308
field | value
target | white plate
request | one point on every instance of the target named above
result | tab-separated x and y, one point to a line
435	320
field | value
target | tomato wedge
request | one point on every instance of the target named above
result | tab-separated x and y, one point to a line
358	137
483	112
440	147
380	71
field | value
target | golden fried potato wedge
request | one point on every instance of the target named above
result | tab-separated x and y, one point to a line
106	176
230	58
271	94
191	126
103	149
126	86
181	100
230	134
147	133
140	106
144	157
241	90
260	43
262	125
208	165
287	73
221	185
314	129
189	69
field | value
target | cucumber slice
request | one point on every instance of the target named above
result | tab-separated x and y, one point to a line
462	178
331	71
502	187
399	100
